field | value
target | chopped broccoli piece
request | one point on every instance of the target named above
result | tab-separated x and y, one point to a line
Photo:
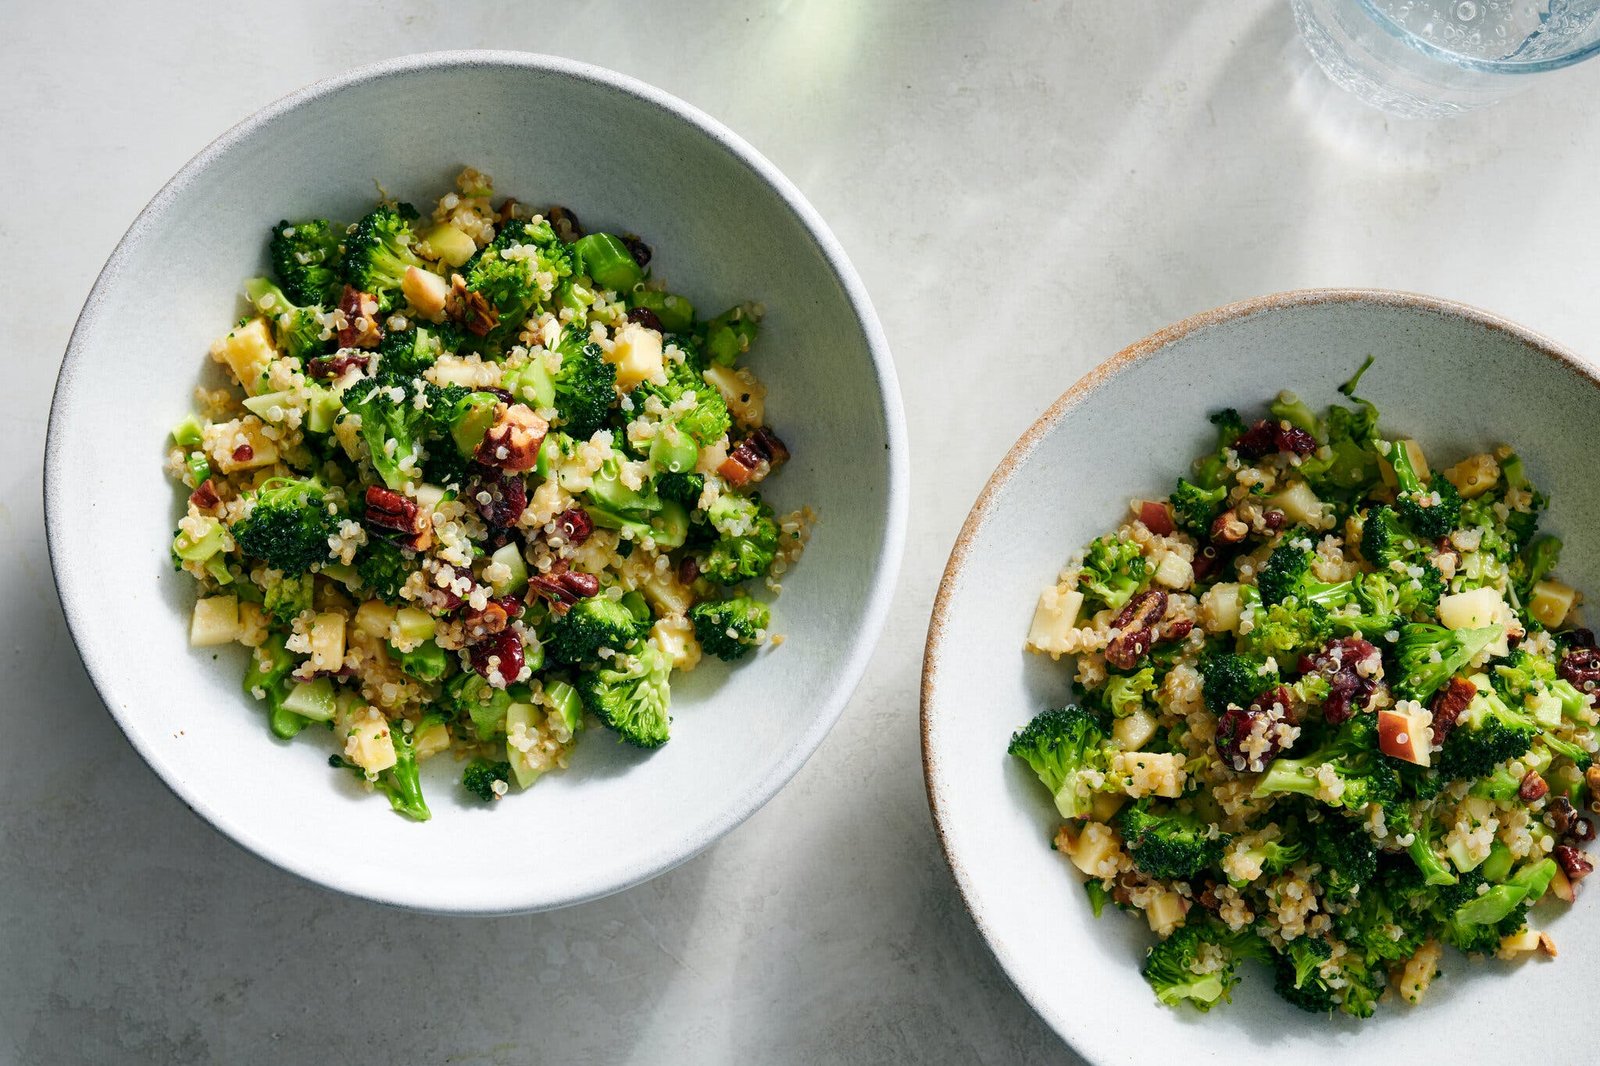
406	353
1113	570
729	628
681	488
1285	570
708	421
1178	974
287	597
1433	509
288	527
1298	975
377	253
383	569
1124	693
1362	775
515	273
1533	563
1212	471
400	782
304	257
1233	681
1168	843
747	539
1429	655
631	696
481	774
1062	746
1195	508
298	330
1285	629
589	625
1348	857
585	386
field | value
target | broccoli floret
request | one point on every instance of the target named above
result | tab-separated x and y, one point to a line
1233	680
747	539
1386	541
1351	753
684	488
1124	693
383	569
1477	924
515	272
589	625
1212	471
1381	929
729	628
480	776
1430	655
288	527
1298	978
1347	854
389	412
1489	732
304	256
425	662
377	252
1284	629
400	782
1195	508
631	696
1112	572
1285	570
1273	856
707	422
1168	843
1172	967
469	696
1062	746
287	597
298	330
1427	864
585	386
1433	509
406	353
1533	563
1351	461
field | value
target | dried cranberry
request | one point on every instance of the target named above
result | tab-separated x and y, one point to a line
1533	787
1274	520
1268	717
574	525
243	453
638	249
333	367
507	498
1349	688
1578	638
501	654
1448	705
1581	667
689	570
647	318
1137	629
1175	630
205	495
1270	435
565	223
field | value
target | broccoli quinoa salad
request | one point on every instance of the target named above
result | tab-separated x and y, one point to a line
478	484
1334	712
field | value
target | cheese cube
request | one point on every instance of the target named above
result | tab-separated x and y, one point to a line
327	640
1551	602
374	618
1475	609
1054	618
637	355
369	743
247	351
432	739
449	243
674	638
1474	475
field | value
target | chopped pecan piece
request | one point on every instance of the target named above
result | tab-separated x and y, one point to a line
335	366
399	516
500	657
1271	435
1573	862
563	588
512	443
470	308
205	495
1227	528
1448	705
1175	630
1351	666
1136	625
1562	815
360	329
574	525
1533	787
753	458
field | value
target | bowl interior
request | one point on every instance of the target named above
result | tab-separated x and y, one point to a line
1459	383
724	228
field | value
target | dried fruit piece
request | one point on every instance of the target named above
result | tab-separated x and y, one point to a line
360	328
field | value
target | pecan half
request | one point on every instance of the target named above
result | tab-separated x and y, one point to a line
1250	737
499	657
205	495
1533	787
360	329
1137	629
753	458
1269	435
1448	705
564	588
501	499
1581	667
1573	862
574	525
398	515
1351	666
512	443
335	366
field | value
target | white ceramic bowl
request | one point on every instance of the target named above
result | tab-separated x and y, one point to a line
725	226
1456	378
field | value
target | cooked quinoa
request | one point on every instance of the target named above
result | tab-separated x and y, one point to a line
1334	712
477	483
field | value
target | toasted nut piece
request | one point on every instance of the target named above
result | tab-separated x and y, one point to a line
1228	529
512	443
425	290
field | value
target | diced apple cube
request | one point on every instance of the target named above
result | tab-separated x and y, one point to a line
637	355
1093	846
1472	609
374	618
1165	911
1474	475
674	638
1551	602
1300	504
449	243
1173	571
247	351
409	627
1561	887
215	621
1133	730
1219	608
745	396
432	739
521	730
1104	805
1054	618
1518	944
1405	734
327	640
370	743
425	291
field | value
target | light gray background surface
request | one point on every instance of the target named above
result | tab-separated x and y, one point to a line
1025	188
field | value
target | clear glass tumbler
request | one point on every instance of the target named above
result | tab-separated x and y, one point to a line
1430	58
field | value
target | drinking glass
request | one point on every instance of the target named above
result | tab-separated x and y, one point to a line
1430	58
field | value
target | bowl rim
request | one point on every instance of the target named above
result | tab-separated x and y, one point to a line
831	700
1074	1035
